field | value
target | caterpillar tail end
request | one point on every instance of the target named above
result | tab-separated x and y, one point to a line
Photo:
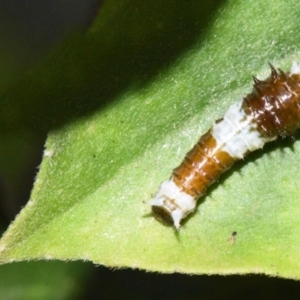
170	204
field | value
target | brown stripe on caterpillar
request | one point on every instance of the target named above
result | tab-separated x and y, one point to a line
272	109
201	166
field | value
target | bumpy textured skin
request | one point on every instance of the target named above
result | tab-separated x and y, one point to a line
274	104
272	109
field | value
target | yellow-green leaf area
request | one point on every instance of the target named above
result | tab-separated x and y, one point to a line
100	168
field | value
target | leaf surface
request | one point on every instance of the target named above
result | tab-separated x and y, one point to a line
151	78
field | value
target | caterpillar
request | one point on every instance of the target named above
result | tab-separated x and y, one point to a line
272	109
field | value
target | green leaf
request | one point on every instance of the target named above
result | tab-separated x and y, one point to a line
150	79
